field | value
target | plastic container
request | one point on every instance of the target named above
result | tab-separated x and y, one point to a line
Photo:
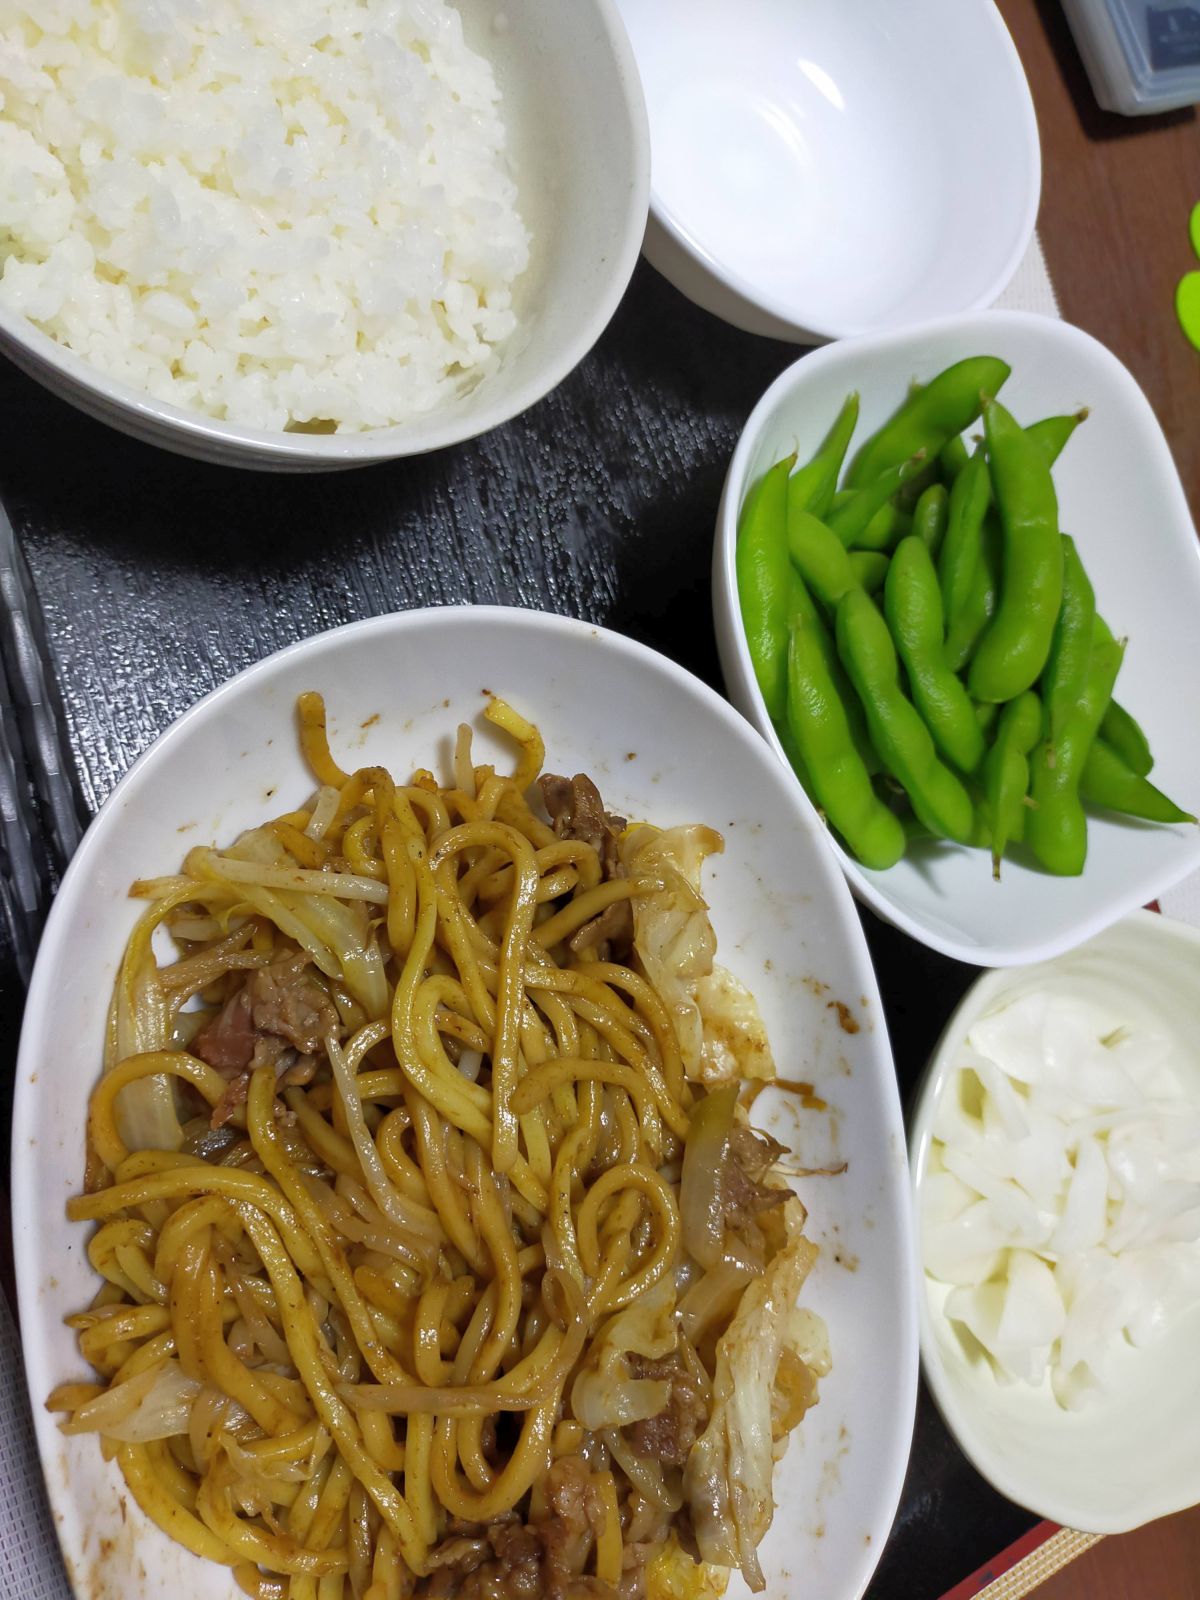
1142	56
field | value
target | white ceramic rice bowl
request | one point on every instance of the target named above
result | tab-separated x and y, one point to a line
580	156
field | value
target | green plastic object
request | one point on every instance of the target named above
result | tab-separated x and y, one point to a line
1187	296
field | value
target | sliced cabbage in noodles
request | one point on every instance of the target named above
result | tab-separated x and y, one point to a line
727	1480
606	1394
141	1019
672	935
155	1404
671	1574
735	1043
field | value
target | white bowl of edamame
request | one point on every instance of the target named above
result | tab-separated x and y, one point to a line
1119	496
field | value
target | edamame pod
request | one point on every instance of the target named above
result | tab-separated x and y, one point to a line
812	486
1006	771
1110	784
1052	434
850	521
763	580
1056	828
820	558
1071	646
952	458
931	516
839	781
1127	739
869	568
1121	730
904	743
886	528
946	406
803	608
961	554
1013	650
913	607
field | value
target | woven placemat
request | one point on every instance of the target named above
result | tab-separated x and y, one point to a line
1033	1570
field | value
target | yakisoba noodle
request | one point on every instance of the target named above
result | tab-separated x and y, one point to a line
439	1255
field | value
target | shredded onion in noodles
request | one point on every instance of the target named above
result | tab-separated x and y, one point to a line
439	1257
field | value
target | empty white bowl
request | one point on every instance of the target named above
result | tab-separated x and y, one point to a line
1120	496
831	168
580	156
1130	1454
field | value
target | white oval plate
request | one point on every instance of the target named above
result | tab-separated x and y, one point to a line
661	746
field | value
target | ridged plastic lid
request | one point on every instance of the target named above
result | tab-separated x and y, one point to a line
1160	40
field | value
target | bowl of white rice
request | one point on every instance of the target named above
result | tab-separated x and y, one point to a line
309	234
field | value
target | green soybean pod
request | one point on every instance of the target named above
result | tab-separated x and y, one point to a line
795	760
1109	784
1126	737
1071	645
961	554
803	608
1056	828
1053	434
945	406
1012	652
870	568
840	783
1121	730
1006	771
904	743
764	582
886	528
852	519
965	627
913	608
914	487
952	458
812	486
931	517
820	557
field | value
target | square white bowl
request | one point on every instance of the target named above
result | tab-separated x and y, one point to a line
1120	497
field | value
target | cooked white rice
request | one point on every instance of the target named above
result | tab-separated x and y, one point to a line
277	212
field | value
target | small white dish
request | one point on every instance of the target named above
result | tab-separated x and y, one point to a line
829	169
661	745
1120	496
580	155
1130	1454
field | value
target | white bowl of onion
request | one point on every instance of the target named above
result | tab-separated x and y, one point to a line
1055	1153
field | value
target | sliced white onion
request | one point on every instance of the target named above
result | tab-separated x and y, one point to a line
1062	1193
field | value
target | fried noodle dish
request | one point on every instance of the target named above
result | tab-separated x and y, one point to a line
439	1255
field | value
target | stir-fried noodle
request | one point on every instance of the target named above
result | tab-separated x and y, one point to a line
439	1255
